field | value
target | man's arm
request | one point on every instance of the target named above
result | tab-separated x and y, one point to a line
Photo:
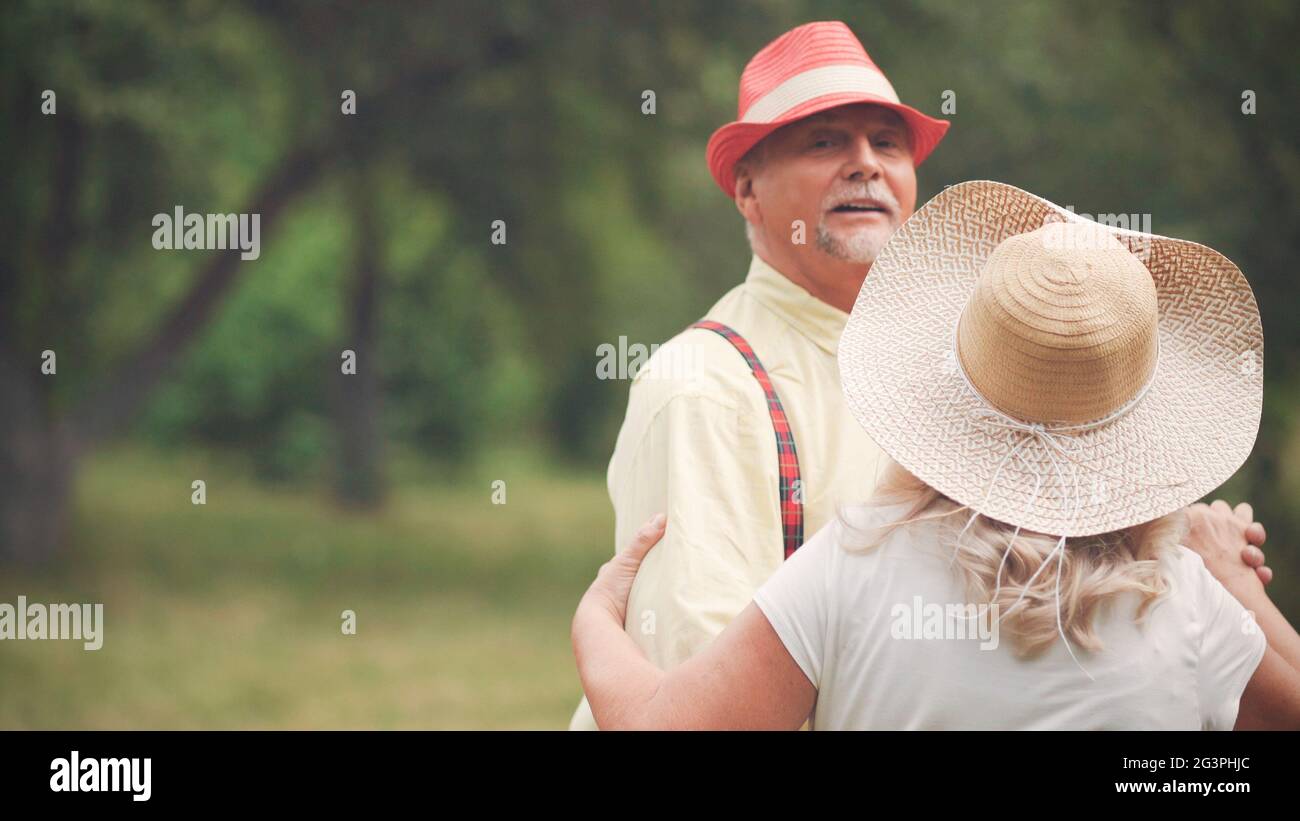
696	443
701	448
711	467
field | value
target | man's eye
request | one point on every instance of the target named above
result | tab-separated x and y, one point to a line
824	141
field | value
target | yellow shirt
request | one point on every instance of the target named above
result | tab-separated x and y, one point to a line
698	444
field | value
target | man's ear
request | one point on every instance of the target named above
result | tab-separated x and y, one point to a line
746	199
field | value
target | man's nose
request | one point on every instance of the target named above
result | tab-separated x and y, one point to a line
863	164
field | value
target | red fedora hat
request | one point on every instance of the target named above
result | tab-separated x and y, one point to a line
809	69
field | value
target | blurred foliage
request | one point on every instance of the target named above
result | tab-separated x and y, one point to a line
530	112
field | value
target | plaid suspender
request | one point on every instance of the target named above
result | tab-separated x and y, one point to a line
786	458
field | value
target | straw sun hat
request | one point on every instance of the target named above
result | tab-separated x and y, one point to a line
1056	374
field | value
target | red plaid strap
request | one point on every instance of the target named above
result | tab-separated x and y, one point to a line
786	458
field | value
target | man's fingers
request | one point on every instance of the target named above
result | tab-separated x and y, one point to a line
1244	512
1255	534
1252	556
1265	574
1221	506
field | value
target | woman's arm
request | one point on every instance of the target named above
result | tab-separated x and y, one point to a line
1271	700
744	679
1220	533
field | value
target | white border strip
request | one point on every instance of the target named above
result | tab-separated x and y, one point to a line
815	83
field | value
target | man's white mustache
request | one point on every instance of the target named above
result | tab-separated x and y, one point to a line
881	194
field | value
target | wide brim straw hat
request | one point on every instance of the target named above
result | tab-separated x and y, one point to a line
1050	372
808	69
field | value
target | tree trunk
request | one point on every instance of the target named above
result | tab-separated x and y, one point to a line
37	457
360	477
39	448
116	400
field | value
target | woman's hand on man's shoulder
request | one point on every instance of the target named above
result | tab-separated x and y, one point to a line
1228	541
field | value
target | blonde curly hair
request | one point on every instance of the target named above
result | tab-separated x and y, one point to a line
1095	569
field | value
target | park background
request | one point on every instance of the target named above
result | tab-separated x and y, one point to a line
477	362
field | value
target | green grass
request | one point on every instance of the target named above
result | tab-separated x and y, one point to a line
227	615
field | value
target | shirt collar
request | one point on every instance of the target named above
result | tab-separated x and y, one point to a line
820	322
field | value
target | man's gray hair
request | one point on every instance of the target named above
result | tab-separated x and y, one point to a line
752	161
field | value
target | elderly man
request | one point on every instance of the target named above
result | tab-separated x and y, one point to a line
753	447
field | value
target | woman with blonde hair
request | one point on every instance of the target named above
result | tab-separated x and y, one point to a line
1054	395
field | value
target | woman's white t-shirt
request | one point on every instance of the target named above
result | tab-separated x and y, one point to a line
879	633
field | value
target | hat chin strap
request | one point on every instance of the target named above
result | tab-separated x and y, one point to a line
1059	441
